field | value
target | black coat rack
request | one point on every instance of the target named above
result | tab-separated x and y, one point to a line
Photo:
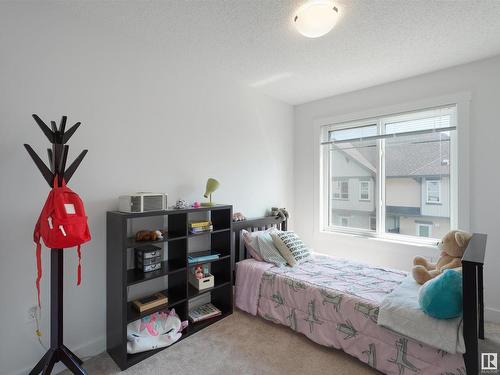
58	155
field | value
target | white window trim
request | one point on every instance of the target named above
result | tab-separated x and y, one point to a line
369	186
439	201
424	225
459	185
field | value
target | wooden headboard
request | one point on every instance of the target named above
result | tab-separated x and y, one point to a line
252	225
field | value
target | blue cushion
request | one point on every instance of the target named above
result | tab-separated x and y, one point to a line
441	297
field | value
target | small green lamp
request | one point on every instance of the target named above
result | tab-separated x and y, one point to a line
212	185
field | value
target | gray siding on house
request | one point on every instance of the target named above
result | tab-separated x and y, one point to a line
344	167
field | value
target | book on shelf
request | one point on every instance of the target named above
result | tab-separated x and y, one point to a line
202	258
207	228
198	224
203	312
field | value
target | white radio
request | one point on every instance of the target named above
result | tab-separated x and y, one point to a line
143	202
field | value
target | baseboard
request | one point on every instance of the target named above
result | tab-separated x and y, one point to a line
491	315
84	352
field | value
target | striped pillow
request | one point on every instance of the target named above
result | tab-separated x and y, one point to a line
291	247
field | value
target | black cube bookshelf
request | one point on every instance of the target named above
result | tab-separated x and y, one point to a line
120	277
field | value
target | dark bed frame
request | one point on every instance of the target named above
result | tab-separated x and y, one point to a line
472	271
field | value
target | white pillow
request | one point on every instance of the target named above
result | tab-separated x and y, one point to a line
267	250
291	247
251	244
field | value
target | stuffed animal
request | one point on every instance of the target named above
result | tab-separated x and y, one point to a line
180	204
149	235
279	213
452	248
238	216
198	272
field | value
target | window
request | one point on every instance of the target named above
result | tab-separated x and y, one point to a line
364	190
373	223
341	189
404	168
344	221
433	191
424	230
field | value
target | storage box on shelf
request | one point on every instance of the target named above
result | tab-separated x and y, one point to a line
174	267
203	283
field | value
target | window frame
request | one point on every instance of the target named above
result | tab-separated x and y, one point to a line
368	182
439	185
339	182
429	226
459	182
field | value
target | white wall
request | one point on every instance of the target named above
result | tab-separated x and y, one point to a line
482	79
155	117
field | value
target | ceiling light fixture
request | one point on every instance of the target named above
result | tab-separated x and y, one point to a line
316	18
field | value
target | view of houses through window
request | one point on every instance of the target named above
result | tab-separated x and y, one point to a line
407	157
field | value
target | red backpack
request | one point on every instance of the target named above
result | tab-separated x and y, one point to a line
62	224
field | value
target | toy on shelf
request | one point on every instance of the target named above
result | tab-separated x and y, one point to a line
150	235
198	272
154	331
238	216
196	204
181	204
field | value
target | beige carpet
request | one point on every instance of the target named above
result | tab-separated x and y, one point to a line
240	344
243	344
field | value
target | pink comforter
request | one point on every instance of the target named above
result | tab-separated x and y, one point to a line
335	303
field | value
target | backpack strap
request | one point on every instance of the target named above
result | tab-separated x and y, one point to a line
36	238
79	271
38	269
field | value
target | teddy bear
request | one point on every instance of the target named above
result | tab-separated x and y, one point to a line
452	248
279	213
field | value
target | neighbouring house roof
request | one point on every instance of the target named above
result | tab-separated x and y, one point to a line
409	156
422	155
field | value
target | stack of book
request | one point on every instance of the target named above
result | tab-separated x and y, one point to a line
203	256
200	226
203	312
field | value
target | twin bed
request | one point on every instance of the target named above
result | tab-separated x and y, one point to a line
336	302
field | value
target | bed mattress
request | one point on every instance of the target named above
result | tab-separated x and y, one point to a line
335	302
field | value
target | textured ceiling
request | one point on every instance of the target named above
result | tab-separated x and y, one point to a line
254	42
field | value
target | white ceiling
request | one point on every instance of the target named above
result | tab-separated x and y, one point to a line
375	42
254	42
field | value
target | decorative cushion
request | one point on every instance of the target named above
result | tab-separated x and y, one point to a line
251	244
441	297
291	247
267	250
